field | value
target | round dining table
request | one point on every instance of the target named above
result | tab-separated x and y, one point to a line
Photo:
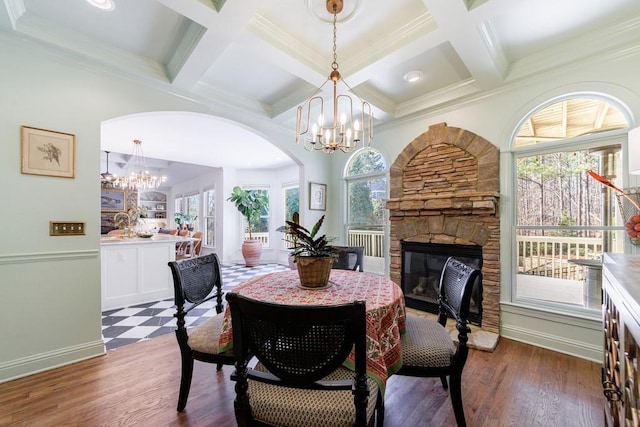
384	303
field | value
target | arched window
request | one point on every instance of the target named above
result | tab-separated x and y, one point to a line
366	190
565	219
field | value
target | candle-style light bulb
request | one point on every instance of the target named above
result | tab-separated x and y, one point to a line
314	132
343	120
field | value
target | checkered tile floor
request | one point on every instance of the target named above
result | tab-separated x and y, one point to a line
128	325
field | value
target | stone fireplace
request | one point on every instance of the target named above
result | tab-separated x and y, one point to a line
444	189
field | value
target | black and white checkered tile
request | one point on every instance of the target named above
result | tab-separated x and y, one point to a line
128	325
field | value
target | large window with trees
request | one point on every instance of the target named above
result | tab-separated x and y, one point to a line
366	190
564	218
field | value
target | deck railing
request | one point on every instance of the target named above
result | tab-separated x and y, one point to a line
372	240
263	237
549	256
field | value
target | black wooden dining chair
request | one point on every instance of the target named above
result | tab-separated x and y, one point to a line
427	347
195	281
349	258
299	379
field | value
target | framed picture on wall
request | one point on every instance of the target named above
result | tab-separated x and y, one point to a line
317	196
47	152
112	200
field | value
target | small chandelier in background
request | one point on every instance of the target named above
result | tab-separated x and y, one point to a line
136	175
107	177
345	131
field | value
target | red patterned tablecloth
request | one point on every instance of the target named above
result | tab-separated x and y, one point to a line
385	310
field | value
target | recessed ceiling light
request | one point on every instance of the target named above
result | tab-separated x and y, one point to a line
102	4
413	76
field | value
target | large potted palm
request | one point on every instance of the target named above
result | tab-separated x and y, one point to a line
313	254
250	203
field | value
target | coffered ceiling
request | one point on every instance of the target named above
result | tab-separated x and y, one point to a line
258	59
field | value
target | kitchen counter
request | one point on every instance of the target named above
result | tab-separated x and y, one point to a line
156	238
135	270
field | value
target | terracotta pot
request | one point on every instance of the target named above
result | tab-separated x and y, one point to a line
251	252
314	272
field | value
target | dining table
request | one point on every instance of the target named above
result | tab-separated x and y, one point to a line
385	311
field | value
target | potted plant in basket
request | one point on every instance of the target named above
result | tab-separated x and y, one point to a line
313	255
250	203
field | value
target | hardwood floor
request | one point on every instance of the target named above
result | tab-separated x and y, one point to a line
137	385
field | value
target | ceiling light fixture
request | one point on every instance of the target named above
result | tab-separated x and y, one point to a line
136	175
107	5
413	76
343	132
107	177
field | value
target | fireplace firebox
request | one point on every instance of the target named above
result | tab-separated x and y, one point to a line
422	265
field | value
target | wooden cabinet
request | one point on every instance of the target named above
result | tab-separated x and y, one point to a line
621	317
155	202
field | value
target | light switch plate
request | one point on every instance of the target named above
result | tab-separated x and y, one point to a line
66	228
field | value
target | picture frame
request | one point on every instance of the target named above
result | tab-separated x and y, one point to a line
48	153
317	196
112	200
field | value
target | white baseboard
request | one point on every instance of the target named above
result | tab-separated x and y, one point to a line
25	366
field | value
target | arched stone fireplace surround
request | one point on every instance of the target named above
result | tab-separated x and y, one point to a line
444	188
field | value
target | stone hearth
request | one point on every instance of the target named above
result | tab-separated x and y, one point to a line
444	188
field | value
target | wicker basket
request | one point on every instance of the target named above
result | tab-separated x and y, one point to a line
630	214
314	272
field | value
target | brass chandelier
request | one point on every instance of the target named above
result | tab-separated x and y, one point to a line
345	130
136	175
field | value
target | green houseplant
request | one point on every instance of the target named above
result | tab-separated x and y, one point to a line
184	220
313	254
250	203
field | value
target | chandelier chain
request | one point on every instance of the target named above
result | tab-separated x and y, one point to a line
334	65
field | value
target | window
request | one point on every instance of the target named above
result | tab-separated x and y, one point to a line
177	205
366	179
291	202
291	206
261	229
192	209
209	217
565	219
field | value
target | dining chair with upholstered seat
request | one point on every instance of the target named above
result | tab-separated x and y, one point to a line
196	281
299	379
427	347
349	258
